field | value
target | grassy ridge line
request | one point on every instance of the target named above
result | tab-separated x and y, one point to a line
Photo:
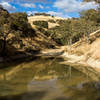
93	36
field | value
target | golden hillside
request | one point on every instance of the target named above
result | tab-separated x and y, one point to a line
31	19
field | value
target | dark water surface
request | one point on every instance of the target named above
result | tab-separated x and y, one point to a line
46	79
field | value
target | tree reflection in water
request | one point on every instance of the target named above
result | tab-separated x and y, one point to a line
46	79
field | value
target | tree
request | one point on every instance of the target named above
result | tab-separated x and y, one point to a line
20	23
92	15
87	27
5	30
97	1
13	27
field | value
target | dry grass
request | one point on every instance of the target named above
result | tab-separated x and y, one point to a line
45	18
91	49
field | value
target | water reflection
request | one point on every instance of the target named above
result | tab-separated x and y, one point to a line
46	79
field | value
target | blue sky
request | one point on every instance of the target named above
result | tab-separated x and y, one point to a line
61	8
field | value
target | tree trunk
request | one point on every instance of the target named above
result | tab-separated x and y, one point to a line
87	38
4	47
70	44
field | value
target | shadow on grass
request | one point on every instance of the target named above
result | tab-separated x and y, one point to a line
38	95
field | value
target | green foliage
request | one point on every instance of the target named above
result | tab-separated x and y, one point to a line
74	29
98	1
20	23
42	24
52	21
69	30
92	15
42	30
4	15
16	25
61	34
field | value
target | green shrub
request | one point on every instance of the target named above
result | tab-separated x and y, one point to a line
45	32
52	21
42	24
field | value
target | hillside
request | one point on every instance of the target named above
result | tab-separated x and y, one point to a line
83	53
45	18
91	49
49	19
19	38
31	45
21	34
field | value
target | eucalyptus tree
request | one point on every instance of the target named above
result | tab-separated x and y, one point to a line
13	27
97	1
4	28
92	15
87	27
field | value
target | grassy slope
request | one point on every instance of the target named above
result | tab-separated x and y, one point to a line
45	18
30	44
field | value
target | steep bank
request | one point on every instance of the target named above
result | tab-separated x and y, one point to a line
84	53
24	47
18	39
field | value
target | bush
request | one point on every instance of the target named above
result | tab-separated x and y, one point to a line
52	21
21	26
43	31
43	24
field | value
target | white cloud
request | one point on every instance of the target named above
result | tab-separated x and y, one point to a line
33	1
40	6
6	0
54	13
8	6
74	5
28	5
60	14
27	1
31	12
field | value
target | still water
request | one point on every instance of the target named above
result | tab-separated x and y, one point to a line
46	79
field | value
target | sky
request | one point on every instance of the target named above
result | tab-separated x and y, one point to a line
61	8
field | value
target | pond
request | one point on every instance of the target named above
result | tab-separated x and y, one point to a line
47	79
